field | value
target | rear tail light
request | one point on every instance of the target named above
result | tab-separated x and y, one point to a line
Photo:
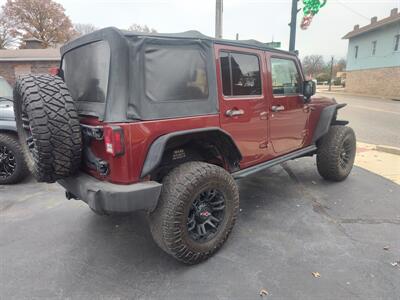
114	140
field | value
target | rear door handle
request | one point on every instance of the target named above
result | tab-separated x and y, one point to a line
234	112
277	108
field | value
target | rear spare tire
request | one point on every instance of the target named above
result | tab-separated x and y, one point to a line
48	127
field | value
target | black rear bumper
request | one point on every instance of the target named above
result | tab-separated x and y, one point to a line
106	197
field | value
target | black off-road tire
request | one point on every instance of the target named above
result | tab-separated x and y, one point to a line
336	153
168	223
10	143
46	116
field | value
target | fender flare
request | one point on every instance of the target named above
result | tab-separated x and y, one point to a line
156	150
326	119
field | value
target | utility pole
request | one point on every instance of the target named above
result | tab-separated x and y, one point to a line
330	81
293	25
237	36
218	18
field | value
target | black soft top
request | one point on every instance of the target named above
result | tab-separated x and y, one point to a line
191	34
136	61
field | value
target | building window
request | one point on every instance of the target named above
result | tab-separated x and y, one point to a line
397	42
374	47
356	52
240	74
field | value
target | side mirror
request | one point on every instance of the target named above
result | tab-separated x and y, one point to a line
309	89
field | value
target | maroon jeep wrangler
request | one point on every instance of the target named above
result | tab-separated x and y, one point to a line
166	123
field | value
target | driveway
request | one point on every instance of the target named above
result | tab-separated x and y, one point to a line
291	223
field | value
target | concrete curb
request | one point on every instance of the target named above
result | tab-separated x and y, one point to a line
388	149
355	94
379	148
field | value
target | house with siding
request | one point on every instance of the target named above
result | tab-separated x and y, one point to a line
32	59
373	57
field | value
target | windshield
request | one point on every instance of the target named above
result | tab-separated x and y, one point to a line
6	90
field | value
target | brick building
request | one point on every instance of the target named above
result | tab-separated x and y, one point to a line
30	60
373	57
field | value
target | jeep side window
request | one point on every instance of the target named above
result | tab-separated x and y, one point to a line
226	74
175	73
286	79
240	74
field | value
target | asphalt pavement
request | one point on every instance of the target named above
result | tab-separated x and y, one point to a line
375	120
291	224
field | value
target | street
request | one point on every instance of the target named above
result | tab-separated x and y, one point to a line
375	120
291	223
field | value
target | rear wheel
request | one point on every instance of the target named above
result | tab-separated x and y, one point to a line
196	212
13	168
336	153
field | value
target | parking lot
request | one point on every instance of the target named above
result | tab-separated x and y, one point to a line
291	224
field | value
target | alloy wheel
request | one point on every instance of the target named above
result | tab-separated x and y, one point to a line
345	153
206	215
7	162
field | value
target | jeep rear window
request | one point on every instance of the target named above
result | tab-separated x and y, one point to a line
86	70
175	73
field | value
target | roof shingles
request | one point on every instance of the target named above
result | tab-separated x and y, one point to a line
394	17
49	54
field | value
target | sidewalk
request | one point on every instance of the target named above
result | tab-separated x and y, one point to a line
381	160
342	91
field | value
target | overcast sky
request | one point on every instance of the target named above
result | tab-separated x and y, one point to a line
263	20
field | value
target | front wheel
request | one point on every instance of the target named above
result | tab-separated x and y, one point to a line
196	212
336	153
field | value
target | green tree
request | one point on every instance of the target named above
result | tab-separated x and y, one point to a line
322	77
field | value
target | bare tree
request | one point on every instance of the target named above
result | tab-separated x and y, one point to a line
6	38
41	19
82	29
313	64
340	65
141	28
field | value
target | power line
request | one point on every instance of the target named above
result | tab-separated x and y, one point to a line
352	10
